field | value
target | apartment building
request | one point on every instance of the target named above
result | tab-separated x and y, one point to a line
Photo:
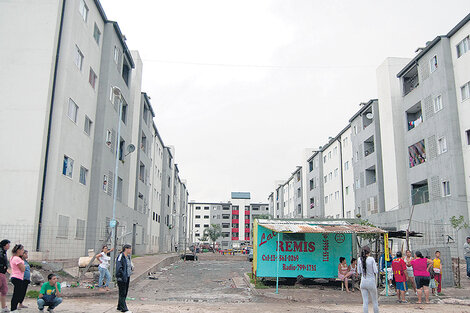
72	64
236	231
367	160
315	185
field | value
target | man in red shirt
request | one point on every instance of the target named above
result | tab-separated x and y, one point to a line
399	272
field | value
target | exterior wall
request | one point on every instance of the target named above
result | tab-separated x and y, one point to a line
298	207
394	151
462	76
315	192
347	173
332	187
167	201
367	156
155	201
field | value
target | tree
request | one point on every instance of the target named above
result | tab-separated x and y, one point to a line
213	232
458	223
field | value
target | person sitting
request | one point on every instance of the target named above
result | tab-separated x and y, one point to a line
344	272
354	275
49	295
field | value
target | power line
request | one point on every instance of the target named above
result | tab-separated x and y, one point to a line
273	67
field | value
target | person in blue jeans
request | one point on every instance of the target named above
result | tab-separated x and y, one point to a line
103	268
466	254
49	295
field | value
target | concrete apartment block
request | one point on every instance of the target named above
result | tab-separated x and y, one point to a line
367	160
314	185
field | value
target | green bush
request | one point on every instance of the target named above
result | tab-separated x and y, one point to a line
32	294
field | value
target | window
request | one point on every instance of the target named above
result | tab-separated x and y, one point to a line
468	136
97	34
335	151
109	135
206	208
83	175
197	234
445	188
299	193
442	145
346	165
83	10
346	190
437	101
298	176
419	193
67	167
197	225
414	116
326	199
87	126
410	80
122	145
324	159
329	155
124	112
311	184
63	229
143	143
465	91
354	130
336	195
345	142
310	165
142	172
325	179
417	153
119	189
80	230
357	156
330	176
78	58
168	201
358	183
72	110
206	225
463	47
433	63
198	216
105	183
198	208
126	69
312	202
92	78
116	55
336	172
206	216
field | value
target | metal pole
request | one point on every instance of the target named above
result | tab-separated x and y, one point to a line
116	169
277	265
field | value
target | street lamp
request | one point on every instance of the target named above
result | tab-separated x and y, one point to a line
117	96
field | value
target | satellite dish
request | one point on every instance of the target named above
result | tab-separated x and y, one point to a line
130	148
369	116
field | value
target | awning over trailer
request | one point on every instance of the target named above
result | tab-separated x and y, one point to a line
289	226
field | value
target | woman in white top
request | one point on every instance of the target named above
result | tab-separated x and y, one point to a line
367	267
103	268
409	269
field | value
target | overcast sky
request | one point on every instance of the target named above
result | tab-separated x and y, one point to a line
240	88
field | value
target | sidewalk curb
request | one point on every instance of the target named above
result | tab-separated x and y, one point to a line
250	285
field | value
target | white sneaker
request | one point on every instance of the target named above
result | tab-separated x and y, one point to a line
5	309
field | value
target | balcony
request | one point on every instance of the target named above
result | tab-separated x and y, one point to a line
247	221
417	153
247	230
235	230
367	117
419	192
235	212
410	80
234	238
414	116
369	147
371	175
235	221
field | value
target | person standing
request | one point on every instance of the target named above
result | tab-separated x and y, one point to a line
422	276
399	273
49	295
26	279
17	275
437	268
367	267
4	246
123	276
103	268
466	253
409	270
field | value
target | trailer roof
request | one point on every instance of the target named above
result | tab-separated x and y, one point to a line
289	226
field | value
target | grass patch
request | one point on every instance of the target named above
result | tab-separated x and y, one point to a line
259	284
133	256
34	264
32	294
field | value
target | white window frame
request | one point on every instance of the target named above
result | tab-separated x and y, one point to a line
96	30
72	110
465	91
69	168
83	175
83	10
433	64
87	125
78	59
116	54
442	145
465	45
446	188
437	103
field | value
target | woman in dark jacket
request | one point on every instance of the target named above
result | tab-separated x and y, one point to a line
123	274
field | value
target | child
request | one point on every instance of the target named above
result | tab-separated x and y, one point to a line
437	268
49	295
354	274
344	272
